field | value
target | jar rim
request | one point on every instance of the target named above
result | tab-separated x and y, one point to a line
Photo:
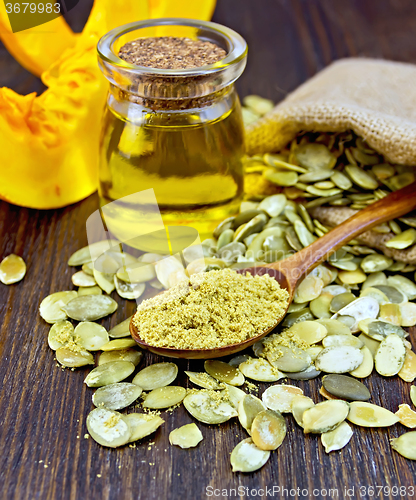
236	44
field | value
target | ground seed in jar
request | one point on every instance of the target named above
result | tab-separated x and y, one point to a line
167	52
211	310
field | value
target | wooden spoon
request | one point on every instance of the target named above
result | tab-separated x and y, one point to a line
289	272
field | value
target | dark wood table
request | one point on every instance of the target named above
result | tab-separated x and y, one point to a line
43	408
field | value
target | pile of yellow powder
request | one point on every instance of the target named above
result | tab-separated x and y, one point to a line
211	310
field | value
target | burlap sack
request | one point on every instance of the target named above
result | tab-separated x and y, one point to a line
375	98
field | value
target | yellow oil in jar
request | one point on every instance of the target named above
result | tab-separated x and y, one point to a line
192	160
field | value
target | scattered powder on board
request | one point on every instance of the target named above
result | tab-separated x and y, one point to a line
211	310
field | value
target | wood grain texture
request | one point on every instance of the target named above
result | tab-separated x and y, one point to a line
43	409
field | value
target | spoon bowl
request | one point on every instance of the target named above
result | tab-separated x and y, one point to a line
289	272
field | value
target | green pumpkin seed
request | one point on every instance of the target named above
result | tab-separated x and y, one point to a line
338	438
279	397
91	336
237	360
316	176
90	290
404	284
345	387
390	356
339	359
297	317
361	308
129	291
225	238
71	358
334	327
116	396
128	354
254	226
273	205
248	408
108	428
302	232
204	380
164	397
360	177
326	193
104	281
376	294
352	277
345	265
340	301
400	181
375	263
315	157
51	306
325	416
187	436
405	445
341	180
289	359
247	457
109	373
311	332
260	370
117	344
309	289
402	240
339	340
120	330
82	279
324	185
370	415
105	264
91	252
229	253
60	334
224	372
379	278
308	374
393	294
142	425
222	226
245	217
281	164
268	430
90	307
371	343
210	407
156	375
281	178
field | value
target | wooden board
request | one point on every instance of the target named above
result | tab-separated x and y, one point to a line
43	408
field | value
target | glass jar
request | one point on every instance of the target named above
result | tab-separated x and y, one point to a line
176	131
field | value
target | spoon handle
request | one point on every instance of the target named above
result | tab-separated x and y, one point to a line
394	205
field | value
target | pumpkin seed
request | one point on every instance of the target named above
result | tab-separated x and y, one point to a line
379	278
338	438
393	294
259	105
91	252
407	416
289	359
303	233
339	359
273	205
105	281
116	396
90	307
324	185
82	279
260	370
334	327
375	263
109	373
280	397
341	180
326	193
164	397
320	307
405	445
150	258
268	430
366	367
293	240
407	313
222	226
225	238
50	308
284	165
413	394
346	265
187	436
91	336
370	415
129	291
165	267
340	340
379	330
73	358
391	313
340	301
117	344
204	380
309	289
229	253
224	372
402	240
142	425
121	329
88	268
235	395
376	294
370	343
248	408
156	375
408	370
60	334
347	320
90	290
108	428
346	387
316	176
299	405
352	277
308	374
310	332
296	317
129	354
361	177
237	360
324	393
12	269
281	177
315	157
247	457
404	284
390	356
361	308
210	407
325	416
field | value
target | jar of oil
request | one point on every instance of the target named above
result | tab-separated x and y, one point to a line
176	131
